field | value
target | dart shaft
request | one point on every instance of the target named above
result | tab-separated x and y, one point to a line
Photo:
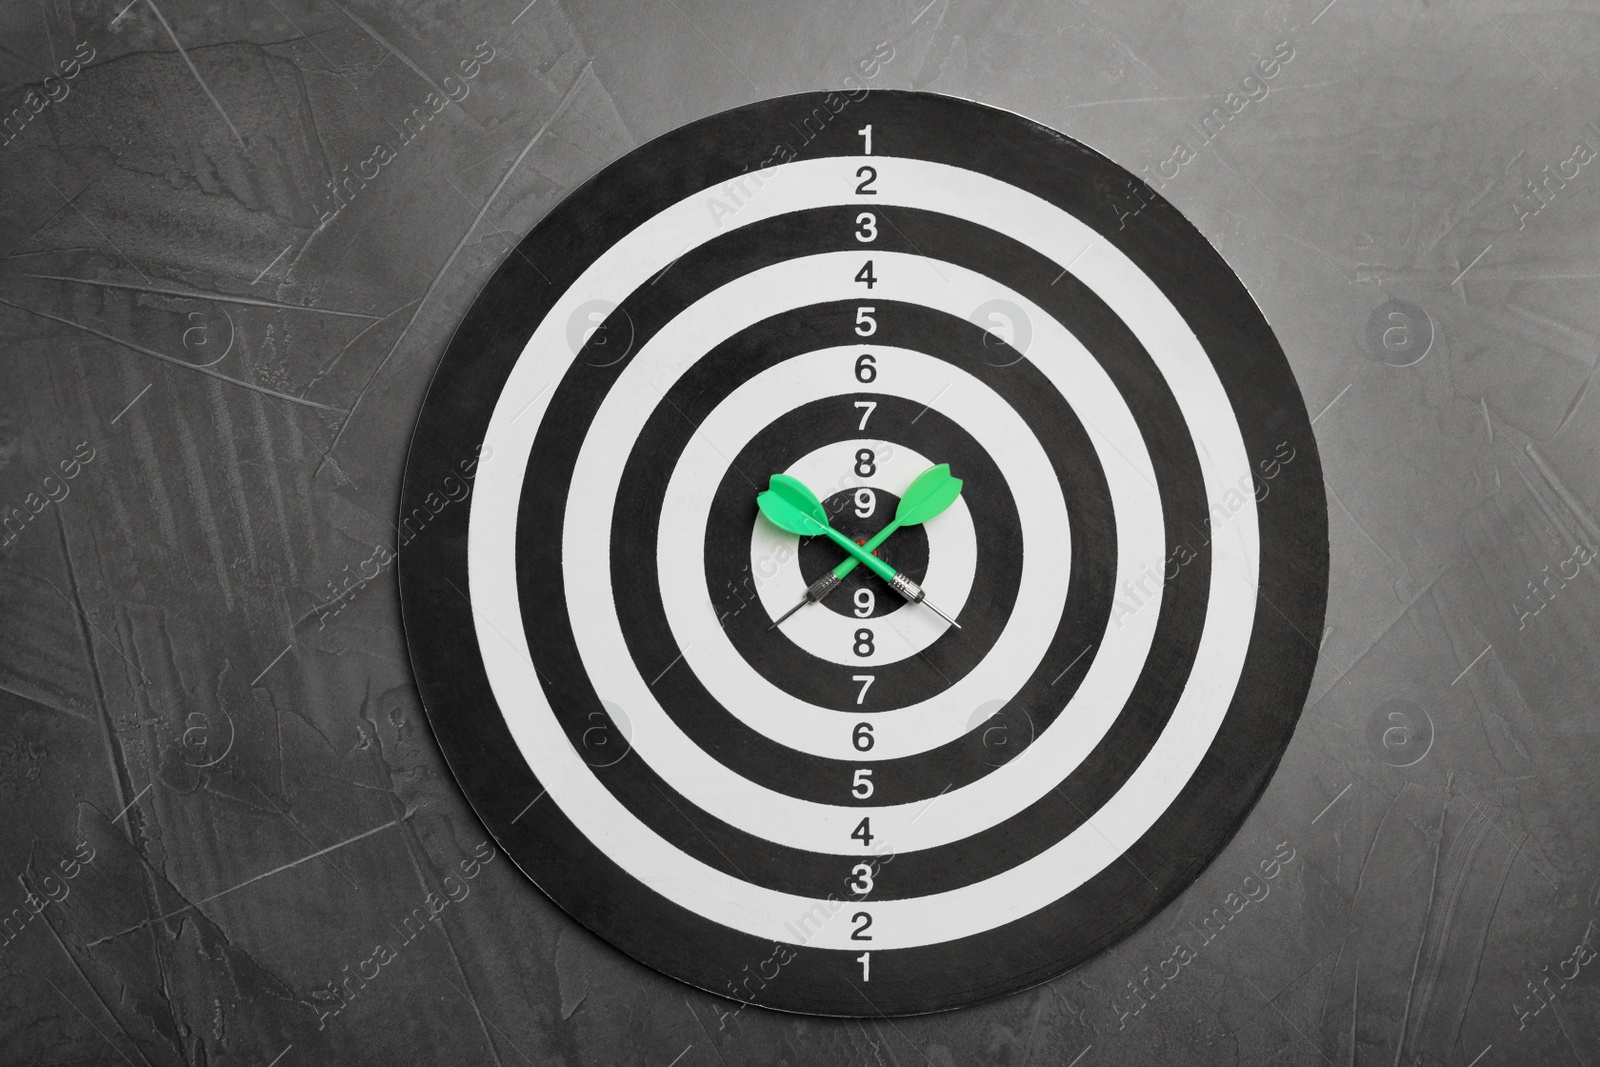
876	565
843	570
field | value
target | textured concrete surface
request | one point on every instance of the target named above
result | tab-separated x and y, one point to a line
218	799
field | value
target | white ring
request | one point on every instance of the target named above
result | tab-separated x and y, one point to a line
1030	885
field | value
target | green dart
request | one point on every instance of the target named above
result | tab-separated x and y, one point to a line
791	506
934	490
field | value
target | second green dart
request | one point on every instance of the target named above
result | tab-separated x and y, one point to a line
791	506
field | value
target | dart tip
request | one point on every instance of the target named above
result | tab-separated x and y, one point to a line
786	614
941	614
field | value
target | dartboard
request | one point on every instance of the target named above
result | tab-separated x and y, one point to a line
864	553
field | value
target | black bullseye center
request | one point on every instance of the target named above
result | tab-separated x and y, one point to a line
906	551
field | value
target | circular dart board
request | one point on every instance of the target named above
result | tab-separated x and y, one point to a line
1005	438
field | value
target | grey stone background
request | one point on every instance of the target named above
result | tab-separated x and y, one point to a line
208	380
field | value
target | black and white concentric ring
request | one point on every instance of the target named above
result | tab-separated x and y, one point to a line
940	938
908	729
826	828
909	779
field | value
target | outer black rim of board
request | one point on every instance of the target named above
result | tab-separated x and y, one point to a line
1185	838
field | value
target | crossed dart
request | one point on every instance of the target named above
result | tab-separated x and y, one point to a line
792	507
